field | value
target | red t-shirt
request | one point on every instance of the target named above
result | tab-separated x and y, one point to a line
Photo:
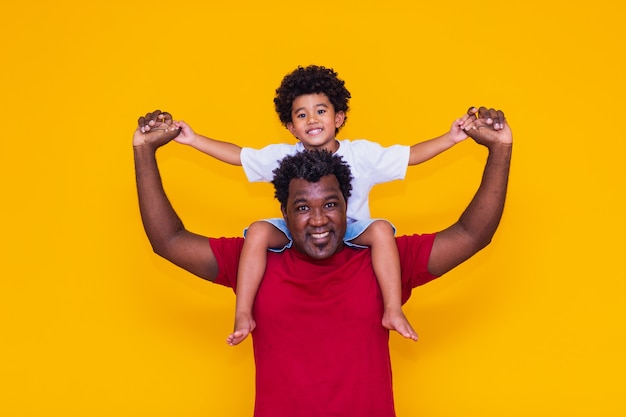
319	346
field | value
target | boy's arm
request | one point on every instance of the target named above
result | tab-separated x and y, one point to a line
223	151
423	151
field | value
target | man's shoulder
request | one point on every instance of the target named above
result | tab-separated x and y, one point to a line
415	238
226	247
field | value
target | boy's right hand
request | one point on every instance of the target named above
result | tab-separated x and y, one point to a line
187	135
163	121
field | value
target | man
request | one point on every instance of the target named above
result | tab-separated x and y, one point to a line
319	347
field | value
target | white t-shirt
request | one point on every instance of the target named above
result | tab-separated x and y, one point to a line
370	164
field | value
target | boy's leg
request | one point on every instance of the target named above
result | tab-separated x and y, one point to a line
260	236
379	236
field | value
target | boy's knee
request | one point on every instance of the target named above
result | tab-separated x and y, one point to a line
260	228
382	226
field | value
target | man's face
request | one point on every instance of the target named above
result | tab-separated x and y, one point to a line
316	216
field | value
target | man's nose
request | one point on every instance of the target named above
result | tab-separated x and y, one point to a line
317	218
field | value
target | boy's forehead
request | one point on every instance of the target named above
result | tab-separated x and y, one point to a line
316	98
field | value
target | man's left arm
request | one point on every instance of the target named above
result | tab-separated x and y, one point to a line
478	223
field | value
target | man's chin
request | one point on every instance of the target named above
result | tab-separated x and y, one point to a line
323	251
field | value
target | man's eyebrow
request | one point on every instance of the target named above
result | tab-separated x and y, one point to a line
333	196
299	200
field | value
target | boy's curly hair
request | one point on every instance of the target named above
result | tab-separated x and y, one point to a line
310	80
310	166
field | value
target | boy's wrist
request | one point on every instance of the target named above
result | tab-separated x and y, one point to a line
449	138
192	140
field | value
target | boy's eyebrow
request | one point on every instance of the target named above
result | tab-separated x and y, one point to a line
317	105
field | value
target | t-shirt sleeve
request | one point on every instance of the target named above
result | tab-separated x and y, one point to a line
414	255
227	251
381	164
259	164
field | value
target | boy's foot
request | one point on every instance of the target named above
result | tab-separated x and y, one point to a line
396	320
244	324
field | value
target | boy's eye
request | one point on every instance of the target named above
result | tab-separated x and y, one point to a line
321	111
300	116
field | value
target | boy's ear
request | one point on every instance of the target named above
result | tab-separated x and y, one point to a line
289	127
340	116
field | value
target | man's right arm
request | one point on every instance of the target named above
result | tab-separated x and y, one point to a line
164	229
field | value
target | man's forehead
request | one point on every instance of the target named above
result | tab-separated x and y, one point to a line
300	188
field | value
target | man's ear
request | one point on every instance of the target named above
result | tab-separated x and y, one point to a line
340	116
284	212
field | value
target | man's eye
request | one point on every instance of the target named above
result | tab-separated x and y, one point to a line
331	205
302	208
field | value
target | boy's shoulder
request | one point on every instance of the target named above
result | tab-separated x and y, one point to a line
357	143
364	145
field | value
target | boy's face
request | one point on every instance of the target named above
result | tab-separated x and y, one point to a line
313	121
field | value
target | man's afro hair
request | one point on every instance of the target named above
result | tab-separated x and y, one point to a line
310	166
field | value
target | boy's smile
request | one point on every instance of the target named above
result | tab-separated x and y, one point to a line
314	121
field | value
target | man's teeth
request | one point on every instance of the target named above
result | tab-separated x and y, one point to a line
319	235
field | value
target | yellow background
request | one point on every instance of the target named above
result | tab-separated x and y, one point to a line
94	324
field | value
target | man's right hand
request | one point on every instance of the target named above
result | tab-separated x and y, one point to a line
155	129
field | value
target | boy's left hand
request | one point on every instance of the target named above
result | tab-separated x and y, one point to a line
457	131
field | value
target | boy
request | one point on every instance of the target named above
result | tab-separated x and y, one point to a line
312	103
